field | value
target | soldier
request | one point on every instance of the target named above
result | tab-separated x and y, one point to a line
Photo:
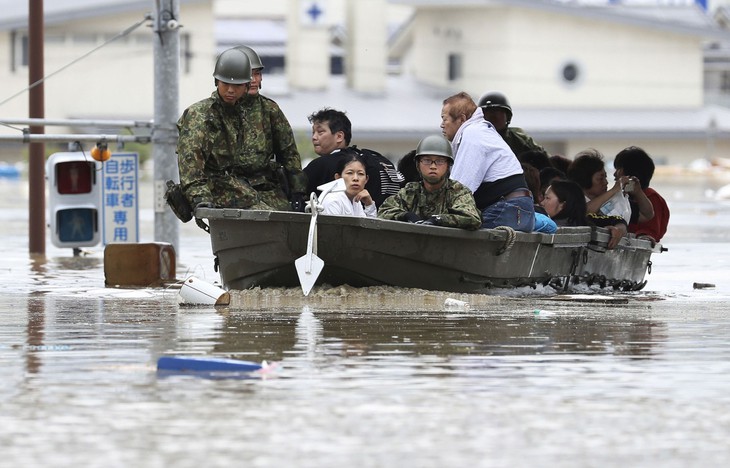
436	199
224	151
498	112
278	131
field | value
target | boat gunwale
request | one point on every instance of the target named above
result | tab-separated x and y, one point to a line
565	235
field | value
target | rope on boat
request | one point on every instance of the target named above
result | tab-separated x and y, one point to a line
509	242
201	224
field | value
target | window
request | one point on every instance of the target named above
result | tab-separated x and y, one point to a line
18	50
455	71
725	81
570	72
337	65
186	55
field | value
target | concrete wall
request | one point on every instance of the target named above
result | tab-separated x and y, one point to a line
307	50
366	46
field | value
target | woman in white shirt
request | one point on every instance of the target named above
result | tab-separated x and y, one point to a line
346	195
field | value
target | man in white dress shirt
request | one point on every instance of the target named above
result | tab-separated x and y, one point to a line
485	163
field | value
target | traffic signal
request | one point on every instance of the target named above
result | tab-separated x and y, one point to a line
74	199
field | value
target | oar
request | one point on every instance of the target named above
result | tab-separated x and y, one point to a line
309	266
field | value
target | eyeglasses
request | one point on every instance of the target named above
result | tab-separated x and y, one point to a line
429	161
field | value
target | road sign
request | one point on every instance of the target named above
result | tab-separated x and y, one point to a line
120	198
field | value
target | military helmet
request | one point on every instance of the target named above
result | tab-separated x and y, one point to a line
252	56
233	66
498	100
435	145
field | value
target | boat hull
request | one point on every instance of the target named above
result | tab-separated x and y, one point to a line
258	248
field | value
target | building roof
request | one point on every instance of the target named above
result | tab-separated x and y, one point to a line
15	12
688	19
267	36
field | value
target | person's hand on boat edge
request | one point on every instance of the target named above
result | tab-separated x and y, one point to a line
434	220
617	233
410	217
308	207
204	204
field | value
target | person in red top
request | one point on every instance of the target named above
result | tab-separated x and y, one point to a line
634	161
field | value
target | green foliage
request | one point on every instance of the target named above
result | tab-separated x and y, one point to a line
143	149
304	145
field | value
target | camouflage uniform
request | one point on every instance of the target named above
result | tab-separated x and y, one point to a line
520	142
225	153
453	202
273	136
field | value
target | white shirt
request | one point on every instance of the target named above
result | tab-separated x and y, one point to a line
481	154
334	201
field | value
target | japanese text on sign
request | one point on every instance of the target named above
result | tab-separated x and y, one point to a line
120	198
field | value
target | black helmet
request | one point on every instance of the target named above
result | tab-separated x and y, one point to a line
495	99
233	67
435	145
252	56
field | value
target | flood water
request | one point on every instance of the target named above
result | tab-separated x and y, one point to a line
372	378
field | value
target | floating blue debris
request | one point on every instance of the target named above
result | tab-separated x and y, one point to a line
9	172
203	364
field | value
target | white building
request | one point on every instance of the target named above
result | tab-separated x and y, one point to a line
113	82
604	75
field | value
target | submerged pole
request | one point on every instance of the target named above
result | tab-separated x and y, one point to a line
36	151
164	132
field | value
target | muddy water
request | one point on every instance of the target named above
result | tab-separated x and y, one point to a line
367	378
523	383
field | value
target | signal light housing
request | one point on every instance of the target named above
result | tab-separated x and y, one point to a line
74	199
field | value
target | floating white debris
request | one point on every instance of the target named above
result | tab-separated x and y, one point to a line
543	313
455	304
196	291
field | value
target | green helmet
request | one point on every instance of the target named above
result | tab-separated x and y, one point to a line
233	67
252	56
498	100
435	145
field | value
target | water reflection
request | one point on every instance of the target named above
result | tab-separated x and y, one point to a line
314	334
35	333
450	388
73	337
40	273
309	334
76	263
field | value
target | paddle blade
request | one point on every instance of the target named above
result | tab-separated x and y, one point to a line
308	272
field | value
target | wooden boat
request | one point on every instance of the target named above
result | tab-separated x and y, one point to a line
258	248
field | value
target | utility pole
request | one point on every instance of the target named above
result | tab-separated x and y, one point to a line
36	151
164	132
